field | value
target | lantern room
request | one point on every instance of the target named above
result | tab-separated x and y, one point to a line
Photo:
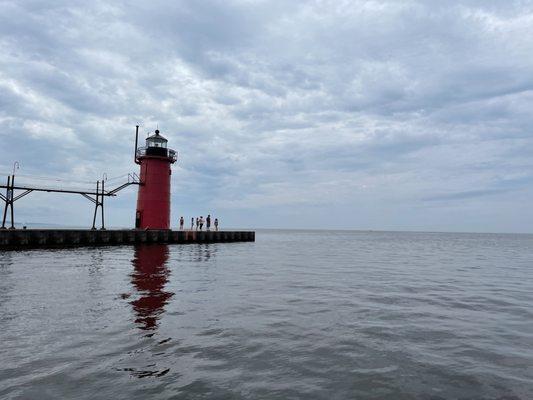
156	146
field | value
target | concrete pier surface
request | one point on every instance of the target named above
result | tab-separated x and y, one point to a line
16	239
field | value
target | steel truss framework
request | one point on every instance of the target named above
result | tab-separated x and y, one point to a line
97	196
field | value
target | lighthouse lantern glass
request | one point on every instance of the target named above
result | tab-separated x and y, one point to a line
156	142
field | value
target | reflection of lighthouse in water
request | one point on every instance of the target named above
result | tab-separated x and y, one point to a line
149	278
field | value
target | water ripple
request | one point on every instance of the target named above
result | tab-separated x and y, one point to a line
302	315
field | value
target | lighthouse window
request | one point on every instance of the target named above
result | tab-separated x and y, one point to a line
157	143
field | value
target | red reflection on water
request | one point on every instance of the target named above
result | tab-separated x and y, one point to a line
149	278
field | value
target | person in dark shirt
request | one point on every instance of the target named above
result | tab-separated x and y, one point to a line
208	222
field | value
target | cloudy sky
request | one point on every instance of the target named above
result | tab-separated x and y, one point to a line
400	115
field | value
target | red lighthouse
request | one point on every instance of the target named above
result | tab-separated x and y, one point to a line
153	199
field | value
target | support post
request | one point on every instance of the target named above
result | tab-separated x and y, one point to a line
96	205
11	201
6	201
102	204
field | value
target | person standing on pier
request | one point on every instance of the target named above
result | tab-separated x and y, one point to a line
201	222
181	223
197	222
192	223
216	224
208	222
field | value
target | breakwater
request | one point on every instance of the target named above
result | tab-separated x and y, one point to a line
26	238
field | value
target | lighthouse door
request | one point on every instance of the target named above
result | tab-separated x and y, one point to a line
138	218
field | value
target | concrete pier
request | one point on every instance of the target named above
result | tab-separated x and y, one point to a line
16	239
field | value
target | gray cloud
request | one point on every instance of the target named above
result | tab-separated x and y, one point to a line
465	195
318	113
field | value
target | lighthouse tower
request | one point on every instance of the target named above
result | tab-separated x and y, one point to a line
153	198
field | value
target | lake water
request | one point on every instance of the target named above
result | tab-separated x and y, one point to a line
295	315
